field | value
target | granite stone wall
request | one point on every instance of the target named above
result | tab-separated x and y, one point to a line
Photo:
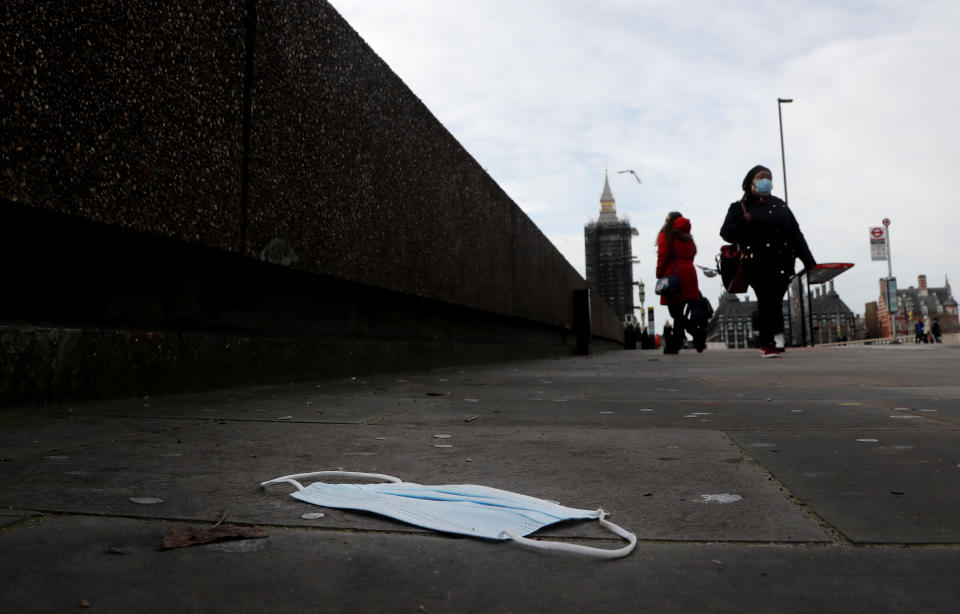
126	112
211	148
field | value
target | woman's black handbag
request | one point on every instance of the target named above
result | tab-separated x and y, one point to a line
730	266
669	285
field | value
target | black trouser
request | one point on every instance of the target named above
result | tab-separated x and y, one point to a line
770	308
679	324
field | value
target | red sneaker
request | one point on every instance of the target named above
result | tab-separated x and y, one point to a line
770	351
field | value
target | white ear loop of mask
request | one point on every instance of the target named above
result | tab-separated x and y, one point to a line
292	478
599	553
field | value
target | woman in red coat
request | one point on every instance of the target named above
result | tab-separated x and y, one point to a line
675	252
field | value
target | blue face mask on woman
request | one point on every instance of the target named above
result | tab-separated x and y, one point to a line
763	186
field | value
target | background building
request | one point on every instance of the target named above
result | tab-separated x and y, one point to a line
920	303
870	320
733	320
830	317
609	255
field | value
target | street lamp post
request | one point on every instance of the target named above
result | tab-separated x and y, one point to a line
642	321
783	158
641	293
783	161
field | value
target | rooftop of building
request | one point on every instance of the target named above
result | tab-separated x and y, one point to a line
925	299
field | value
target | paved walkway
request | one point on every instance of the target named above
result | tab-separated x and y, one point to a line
825	481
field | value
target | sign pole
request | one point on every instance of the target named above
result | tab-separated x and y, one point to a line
893	316
886	225
803	308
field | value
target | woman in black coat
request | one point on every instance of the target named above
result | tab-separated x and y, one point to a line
770	242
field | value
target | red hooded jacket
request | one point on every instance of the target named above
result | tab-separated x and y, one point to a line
684	251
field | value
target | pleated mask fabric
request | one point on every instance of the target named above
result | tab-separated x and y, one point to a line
465	509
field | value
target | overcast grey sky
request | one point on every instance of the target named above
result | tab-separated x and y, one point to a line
545	94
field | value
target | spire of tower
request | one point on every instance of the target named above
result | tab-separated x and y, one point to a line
608	206
607	195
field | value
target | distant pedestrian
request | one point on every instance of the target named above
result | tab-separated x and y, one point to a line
629	337
770	242
935	329
675	253
918	338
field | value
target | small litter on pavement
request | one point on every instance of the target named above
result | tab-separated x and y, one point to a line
721	498
146	500
182	537
190	536
464	509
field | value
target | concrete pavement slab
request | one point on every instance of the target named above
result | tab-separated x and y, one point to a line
55	432
874	487
278	403
11	516
573	430
655	483
824	374
111	565
945	410
496	407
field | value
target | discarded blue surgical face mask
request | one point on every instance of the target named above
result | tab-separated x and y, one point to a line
466	509
763	186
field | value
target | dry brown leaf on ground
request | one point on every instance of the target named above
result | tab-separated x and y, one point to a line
181	537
